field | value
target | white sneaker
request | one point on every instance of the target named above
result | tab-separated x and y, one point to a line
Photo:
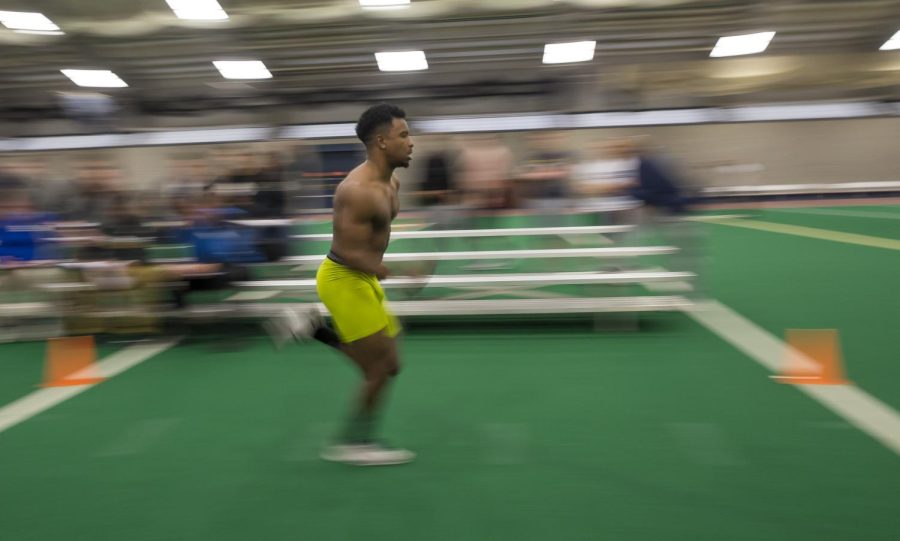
371	454
291	325
278	333
315	319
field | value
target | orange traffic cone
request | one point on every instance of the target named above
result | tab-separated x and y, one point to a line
813	358
70	361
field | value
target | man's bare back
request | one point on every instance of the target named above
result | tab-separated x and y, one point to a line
364	206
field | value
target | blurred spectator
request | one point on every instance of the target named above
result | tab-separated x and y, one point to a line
303	175
653	181
10	181
247	168
214	236
187	179
121	218
237	186
544	174
486	165
439	195
438	186
485	169
270	204
601	182
97	183
269	199
25	233
656	185
218	241
34	176
124	228
25	250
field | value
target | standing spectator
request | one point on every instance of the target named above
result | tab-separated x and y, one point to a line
544	175
486	165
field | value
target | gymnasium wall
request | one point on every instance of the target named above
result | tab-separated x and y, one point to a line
709	155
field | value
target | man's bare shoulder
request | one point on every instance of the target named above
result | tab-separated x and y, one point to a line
358	179
360	173
361	180
356	189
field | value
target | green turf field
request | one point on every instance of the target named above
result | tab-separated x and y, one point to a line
536	433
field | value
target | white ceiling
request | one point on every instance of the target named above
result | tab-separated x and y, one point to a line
483	55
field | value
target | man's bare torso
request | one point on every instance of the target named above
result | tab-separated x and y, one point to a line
364	207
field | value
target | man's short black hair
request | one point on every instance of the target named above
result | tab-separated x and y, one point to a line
374	118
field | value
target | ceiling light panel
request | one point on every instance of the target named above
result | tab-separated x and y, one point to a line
198	10
242	69
383	4
401	60
95	78
741	45
564	53
892	44
28	23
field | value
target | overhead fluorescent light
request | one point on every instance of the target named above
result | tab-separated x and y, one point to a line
401	61
891	44
741	45
29	23
242	69
383	4
95	78
198	10
573	51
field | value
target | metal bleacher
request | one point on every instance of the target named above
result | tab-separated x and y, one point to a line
625	301
416	295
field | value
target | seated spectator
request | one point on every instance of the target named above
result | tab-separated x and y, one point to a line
24	233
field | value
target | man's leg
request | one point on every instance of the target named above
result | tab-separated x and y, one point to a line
376	357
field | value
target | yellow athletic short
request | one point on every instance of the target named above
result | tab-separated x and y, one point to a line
356	302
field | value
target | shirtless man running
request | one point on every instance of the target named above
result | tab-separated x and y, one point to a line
365	203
